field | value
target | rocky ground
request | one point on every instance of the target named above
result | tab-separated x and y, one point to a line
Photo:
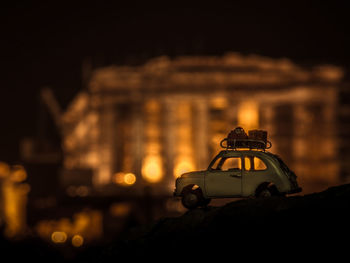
295	227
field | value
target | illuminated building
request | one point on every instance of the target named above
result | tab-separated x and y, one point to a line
145	125
13	199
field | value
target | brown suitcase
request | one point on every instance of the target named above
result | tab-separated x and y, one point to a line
237	138
237	133
259	135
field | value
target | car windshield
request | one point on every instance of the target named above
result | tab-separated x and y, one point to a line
226	163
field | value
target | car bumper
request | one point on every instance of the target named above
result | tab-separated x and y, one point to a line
295	190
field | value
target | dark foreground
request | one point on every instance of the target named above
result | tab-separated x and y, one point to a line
313	226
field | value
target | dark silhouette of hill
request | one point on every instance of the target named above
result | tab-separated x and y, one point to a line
315	225
309	227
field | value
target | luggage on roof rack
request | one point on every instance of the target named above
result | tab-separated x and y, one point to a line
237	138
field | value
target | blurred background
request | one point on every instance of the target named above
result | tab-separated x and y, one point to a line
104	105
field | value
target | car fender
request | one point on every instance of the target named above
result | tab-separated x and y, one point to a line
181	183
280	179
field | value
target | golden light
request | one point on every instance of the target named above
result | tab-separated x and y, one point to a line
248	115
59	237
4	169
93	158
120	209
129	178
14	200
77	240
103	174
119	178
82	190
18	173
152	169
183	167
219	103
124	179
88	223
152	106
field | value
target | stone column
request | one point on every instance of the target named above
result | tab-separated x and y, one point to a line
330	141
106	139
201	133
267	121
137	136
169	140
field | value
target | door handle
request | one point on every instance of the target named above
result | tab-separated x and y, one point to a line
235	175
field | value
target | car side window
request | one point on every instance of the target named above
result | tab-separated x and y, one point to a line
259	164
248	163
231	163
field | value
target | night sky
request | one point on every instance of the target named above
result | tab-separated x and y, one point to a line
44	43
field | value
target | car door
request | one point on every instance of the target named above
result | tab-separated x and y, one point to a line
224	179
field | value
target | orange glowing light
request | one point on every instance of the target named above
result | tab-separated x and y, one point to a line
129	178
18	174
182	167
82	190
124	179
93	159
14	202
152	106
120	209
248	115
119	178
77	240
103	174
59	237
87	224
152	169
219	103
4	169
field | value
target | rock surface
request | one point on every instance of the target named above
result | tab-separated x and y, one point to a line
313	224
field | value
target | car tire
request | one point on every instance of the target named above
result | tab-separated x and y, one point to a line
265	193
267	190
191	199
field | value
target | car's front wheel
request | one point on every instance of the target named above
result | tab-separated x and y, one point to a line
190	200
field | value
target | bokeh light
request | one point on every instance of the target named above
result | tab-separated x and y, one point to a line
129	178
18	173
152	169
59	237
77	240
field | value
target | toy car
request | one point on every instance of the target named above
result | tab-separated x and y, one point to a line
237	173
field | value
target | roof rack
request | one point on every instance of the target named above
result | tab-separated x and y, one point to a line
234	144
237	138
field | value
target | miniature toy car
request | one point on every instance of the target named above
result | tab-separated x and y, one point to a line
237	173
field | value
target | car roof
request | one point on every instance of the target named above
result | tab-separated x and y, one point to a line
260	153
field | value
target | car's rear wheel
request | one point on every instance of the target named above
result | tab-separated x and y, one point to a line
267	190
265	193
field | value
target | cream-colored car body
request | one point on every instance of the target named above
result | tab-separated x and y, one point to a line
243	182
